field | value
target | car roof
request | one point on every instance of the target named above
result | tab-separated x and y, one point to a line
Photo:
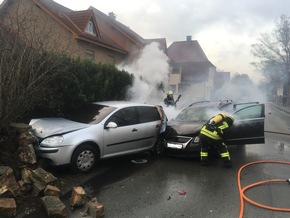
217	104
120	104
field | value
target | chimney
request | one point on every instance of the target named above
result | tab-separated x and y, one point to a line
112	15
188	38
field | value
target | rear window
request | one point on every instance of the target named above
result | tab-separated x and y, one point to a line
148	114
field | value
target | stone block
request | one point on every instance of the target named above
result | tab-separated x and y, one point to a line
7	178
51	191
78	196
95	209
27	154
25	174
54	206
7	207
42	176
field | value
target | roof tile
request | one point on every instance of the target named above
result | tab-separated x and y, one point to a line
186	51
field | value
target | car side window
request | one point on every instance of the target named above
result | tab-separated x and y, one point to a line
148	114
255	111
124	117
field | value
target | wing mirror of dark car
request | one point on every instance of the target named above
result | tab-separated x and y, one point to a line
111	125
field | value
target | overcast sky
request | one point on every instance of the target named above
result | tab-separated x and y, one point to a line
225	29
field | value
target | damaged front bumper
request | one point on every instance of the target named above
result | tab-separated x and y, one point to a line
183	146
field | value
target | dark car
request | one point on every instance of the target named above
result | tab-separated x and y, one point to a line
182	132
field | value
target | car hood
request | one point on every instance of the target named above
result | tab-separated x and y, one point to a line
54	126
185	128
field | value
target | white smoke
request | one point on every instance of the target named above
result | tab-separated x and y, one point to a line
152	68
240	92
149	70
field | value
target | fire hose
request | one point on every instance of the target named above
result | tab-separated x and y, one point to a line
242	190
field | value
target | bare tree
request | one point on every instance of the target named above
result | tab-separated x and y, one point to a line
30	58
273	50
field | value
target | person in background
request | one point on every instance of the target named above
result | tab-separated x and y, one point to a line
169	100
212	134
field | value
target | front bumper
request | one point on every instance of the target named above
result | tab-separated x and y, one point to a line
57	155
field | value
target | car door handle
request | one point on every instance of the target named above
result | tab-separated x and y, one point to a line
157	126
134	130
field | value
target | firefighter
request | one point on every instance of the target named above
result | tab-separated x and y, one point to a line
169	100
212	134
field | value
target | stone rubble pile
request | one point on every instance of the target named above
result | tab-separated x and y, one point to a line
35	181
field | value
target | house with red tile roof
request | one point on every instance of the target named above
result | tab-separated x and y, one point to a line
88	34
91	34
193	74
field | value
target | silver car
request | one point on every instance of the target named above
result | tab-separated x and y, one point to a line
101	130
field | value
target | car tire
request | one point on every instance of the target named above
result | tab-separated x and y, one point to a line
84	158
160	147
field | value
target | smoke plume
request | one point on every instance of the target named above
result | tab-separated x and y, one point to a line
149	70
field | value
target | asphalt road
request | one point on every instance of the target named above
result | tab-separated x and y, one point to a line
141	187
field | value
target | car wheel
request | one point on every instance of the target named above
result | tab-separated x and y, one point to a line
160	147
84	158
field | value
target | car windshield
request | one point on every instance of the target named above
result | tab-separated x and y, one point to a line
196	114
91	114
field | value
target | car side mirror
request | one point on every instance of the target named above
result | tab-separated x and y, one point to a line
111	125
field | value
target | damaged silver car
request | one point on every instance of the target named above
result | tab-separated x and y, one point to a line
100	130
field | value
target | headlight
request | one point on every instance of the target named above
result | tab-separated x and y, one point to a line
52	141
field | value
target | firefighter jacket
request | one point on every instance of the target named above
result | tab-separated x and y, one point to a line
215	132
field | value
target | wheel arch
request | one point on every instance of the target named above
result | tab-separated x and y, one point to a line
78	166
95	145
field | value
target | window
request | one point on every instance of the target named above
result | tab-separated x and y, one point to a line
124	117
91	28
242	105
148	114
255	111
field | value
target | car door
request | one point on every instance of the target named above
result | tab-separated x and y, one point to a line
125	136
137	129
150	125
248	127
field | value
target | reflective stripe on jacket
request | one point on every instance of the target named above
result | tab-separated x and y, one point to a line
213	134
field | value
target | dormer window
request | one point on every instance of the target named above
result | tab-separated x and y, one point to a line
91	28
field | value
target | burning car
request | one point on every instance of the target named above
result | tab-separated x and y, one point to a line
100	130
182	132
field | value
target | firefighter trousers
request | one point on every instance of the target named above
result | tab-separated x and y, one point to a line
207	143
